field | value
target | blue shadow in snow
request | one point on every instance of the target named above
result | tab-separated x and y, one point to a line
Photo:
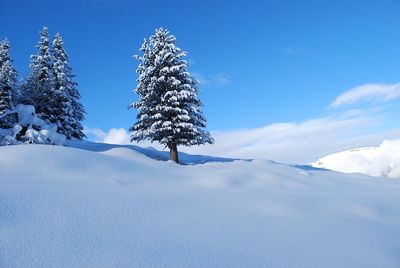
309	168
185	159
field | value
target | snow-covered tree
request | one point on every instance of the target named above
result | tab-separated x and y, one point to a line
26	127
8	78
169	110
69	112
38	89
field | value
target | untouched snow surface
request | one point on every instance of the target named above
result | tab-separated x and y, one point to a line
383	160
113	206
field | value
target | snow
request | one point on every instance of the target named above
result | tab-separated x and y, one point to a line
169	110
28	118
383	160
100	205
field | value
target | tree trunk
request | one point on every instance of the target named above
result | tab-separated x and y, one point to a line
173	153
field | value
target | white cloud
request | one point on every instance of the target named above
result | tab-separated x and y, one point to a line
293	142
117	136
113	136
368	92
296	142
300	143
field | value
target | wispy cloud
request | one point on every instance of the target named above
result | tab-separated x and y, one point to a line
94	134
109	3
291	142
220	79
368	93
297	51
117	136
301	142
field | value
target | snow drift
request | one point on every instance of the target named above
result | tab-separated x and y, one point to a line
383	160
24	126
102	205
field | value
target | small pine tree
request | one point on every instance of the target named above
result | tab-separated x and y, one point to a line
39	87
169	110
8	78
69	111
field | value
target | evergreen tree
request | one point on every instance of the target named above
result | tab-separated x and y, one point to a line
39	87
69	112
8	78
169	110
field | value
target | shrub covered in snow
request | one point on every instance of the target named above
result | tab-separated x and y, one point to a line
22	125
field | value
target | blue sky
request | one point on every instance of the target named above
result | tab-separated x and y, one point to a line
260	62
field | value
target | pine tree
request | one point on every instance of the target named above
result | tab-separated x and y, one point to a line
38	90
8	78
69	112
169	110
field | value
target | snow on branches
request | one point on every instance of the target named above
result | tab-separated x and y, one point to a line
169	110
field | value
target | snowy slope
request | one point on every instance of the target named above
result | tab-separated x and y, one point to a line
113	206
383	160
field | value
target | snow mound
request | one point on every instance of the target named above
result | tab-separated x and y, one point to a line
99	205
28	128
383	160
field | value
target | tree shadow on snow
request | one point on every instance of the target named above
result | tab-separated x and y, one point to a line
185	159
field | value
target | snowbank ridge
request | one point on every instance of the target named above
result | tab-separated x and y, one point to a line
383	160
100	205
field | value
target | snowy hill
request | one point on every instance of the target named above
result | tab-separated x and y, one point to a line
100	205
383	160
